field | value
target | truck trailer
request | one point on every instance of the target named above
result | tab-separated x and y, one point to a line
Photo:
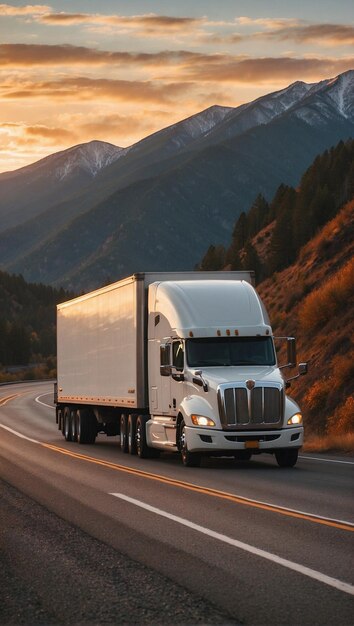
176	361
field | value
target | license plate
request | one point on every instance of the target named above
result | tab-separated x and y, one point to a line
251	444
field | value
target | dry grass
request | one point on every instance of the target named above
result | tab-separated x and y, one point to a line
330	443
321	305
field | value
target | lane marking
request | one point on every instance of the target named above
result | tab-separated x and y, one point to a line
50	406
15	432
7	399
310	517
302	569
315	458
334	523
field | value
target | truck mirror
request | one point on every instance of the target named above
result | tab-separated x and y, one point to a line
303	369
291	345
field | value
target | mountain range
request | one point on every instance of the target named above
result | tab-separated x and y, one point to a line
97	212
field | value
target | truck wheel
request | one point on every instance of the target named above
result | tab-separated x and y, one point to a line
189	459
73	424
67	424
142	449
124	433
286	457
132	434
86	430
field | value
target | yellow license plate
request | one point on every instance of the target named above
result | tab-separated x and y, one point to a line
251	444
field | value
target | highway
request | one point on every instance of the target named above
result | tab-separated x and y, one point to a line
98	536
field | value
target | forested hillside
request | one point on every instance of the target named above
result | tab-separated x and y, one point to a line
269	236
302	247
27	323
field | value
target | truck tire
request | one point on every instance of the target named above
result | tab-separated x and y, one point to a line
189	459
132	434
67	424
86	430
124	433
286	457
142	449
73	424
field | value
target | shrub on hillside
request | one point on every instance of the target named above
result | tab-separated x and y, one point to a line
342	420
321	305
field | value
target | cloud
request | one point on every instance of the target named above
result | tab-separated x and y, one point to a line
150	21
82	88
179	71
281	29
24	55
48	133
332	34
266	70
29	9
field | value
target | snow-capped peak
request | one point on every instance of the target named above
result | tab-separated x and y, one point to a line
90	157
341	91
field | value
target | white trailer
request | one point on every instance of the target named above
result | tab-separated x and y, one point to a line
181	361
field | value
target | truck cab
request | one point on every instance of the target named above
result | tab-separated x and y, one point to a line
215	387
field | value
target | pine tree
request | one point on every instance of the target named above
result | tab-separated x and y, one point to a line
258	215
214	259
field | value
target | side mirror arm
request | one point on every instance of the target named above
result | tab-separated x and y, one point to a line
303	369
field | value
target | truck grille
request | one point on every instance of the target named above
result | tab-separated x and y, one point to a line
260	407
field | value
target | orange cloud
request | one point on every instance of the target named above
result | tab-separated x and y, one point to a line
45	132
24	55
81	88
29	9
265	70
333	34
146	21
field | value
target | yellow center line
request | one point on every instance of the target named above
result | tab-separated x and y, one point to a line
7	399
203	490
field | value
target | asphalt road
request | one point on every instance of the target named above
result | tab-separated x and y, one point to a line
90	535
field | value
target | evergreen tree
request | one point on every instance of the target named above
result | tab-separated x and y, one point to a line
19	345
251	261
214	259
258	215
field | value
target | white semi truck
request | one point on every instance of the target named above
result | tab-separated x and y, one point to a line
182	362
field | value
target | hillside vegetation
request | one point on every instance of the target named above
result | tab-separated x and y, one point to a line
313	300
302	248
27	327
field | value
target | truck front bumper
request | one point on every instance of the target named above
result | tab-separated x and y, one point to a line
208	440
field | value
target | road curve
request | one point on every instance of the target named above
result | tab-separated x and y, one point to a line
245	542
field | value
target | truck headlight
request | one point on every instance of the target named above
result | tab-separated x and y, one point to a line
295	420
201	420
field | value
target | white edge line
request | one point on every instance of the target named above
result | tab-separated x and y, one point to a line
301	569
15	432
316	458
50	406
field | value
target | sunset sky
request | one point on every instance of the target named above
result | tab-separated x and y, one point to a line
118	70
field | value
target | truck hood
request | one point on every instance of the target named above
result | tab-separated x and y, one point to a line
216	376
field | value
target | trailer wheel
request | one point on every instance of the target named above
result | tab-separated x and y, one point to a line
142	449
132	434
124	433
189	459
86	430
286	457
73	424
67	424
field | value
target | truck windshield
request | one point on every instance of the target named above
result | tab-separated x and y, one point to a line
230	351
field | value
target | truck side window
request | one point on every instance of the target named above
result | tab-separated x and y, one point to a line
165	359
178	355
